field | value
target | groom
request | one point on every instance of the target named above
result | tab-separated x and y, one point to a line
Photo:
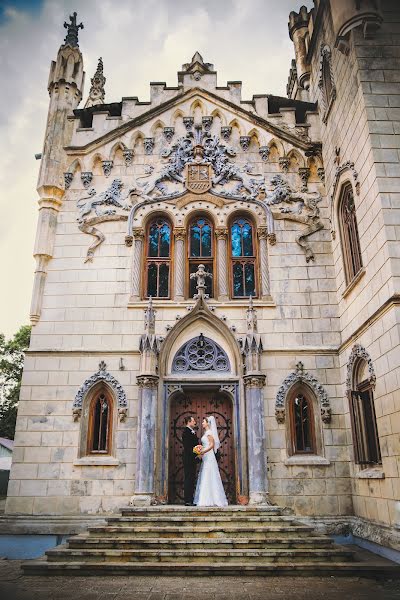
190	440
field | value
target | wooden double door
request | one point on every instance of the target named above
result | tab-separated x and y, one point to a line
200	404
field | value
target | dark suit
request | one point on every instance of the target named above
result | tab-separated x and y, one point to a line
190	440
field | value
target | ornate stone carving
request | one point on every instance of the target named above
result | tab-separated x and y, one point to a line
308	202
172	388
128	155
107	167
328	94
101	375
300	375
86	178
68	177
71	39
359	352
321	174
245	142
147	381
226	133
207	123
304	174
97	94
148	144
180	233
200	275
112	197
198	178
254	381
264	152
188	123
169	133
200	354
284	163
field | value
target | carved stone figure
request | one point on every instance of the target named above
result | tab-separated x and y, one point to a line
226	133
111	197
86	178
264	152
306	212
107	167
169	133
68	177
148	144
245	142
128	155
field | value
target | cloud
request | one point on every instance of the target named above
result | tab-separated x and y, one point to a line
140	41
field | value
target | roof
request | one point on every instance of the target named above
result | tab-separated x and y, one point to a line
9	444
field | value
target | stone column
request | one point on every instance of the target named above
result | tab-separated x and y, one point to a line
138	236
144	482
222	235
180	234
262	237
258	483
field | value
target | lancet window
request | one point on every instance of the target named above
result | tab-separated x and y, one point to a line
100	424
302	423
158	259
351	249
201	251
243	259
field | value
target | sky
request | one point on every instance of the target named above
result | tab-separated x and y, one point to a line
140	41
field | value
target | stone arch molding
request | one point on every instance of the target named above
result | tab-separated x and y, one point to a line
200	355
302	376
101	375
359	352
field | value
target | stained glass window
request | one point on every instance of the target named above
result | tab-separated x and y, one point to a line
243	259
158	258
201	251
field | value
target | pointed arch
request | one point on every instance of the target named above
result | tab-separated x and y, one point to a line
197	107
75	166
296	159
157	127
236	127
217	114
118	146
192	322
96	164
276	148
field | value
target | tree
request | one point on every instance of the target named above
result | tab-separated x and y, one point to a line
12	354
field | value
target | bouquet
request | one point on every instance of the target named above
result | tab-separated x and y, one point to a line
197	450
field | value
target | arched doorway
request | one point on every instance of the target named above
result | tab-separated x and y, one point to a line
200	403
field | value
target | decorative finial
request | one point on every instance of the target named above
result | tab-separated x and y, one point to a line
71	39
150	317
251	317
200	275
97	94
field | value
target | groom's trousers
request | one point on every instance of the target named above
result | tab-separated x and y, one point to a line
189	469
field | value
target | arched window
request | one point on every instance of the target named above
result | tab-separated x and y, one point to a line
363	419
158	259
326	82
99	424
201	251
302	432
243	271
349	234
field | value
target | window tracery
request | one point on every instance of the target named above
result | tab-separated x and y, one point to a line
200	354
243	259
201	251
158	259
351	249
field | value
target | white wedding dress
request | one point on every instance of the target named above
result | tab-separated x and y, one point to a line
209	488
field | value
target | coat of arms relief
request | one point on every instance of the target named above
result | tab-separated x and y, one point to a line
201	163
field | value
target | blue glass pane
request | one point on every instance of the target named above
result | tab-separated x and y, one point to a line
163	290
194	240
152	280
206	241
238	288
247	236
250	286
165	239
153	240
236	235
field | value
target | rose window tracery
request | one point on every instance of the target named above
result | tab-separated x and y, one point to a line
200	354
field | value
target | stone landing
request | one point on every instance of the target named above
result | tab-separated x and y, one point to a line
204	541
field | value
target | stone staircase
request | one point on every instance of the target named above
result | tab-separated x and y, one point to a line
177	540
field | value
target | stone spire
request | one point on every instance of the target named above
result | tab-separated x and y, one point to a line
71	39
252	344
97	94
150	343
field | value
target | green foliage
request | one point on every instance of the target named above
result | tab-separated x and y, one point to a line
12	354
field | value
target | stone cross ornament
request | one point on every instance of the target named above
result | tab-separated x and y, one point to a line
200	275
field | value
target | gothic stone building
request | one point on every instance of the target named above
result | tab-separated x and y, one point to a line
200	253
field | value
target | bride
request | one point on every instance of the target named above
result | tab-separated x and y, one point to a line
209	488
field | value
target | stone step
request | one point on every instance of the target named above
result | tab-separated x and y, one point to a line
304	569
85	541
193	519
275	555
217	531
200	511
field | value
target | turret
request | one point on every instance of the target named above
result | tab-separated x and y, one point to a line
298	31
65	89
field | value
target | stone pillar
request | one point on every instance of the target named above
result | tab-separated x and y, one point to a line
263	236
146	438
222	235
258	483
138	236
179	291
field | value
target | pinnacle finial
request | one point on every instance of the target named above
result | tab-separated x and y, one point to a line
150	317
71	39
200	276
97	93
251	317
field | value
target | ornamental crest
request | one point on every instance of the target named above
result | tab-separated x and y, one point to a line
198	178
